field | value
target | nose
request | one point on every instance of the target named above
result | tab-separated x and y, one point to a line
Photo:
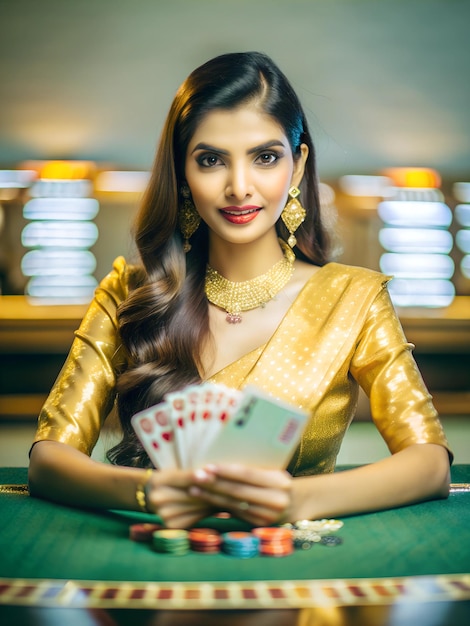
239	183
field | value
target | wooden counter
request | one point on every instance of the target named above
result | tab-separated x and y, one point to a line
26	327
34	341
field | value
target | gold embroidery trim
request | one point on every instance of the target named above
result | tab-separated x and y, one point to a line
21	490
459	487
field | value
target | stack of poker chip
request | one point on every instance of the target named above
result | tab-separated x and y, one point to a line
143	532
205	540
308	532
240	544
171	541
275	541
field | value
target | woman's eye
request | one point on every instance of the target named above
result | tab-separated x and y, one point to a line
267	158
209	160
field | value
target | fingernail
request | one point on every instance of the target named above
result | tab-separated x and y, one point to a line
201	474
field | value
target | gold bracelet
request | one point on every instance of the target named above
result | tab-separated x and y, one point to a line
140	494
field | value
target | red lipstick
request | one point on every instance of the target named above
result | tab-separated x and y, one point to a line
240	214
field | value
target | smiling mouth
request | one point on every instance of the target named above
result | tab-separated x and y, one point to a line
243	210
240	215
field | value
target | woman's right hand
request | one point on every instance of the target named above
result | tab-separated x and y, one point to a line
167	495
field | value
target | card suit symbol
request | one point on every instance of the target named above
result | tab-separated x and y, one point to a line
219	398
180	422
192	416
168	436
161	418
223	417
146	425
206	415
155	445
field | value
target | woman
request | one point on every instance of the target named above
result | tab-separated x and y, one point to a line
222	215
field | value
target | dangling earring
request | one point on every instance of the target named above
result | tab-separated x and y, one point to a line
293	215
189	219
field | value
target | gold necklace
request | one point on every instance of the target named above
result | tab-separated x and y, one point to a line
249	294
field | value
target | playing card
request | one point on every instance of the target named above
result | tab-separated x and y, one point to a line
263	432
155	431
182	416
193	413
211	423
217	403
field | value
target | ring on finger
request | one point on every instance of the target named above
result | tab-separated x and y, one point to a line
244	506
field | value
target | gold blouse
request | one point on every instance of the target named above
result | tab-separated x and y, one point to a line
341	332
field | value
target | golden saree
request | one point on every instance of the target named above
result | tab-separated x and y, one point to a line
341	332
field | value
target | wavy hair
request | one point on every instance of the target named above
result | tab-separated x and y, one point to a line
163	322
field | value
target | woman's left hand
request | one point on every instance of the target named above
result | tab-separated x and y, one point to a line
261	497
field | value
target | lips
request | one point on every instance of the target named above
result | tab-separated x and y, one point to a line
240	214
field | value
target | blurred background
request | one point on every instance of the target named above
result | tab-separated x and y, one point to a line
84	90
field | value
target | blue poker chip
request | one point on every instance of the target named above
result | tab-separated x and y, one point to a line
242	545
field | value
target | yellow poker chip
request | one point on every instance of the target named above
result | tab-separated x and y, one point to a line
171	541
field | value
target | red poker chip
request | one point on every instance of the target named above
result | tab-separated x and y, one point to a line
268	551
205	540
275	541
270	534
204	532
204	535
143	532
206	549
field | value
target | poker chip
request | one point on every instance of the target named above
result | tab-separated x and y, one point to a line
171	541
331	540
205	540
306	532
143	532
276	541
320	526
241	544
304	537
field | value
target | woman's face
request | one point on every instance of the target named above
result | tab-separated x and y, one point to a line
239	168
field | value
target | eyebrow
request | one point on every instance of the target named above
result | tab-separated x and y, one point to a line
264	146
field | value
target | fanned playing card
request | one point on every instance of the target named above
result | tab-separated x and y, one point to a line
212	423
154	428
263	432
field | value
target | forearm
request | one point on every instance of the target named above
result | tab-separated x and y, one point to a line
60	472
420	472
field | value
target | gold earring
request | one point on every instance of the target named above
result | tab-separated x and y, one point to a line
293	215
189	219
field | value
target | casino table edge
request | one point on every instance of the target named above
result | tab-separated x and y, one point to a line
261	594
246	595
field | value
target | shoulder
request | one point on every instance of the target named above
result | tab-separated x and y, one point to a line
341	276
337	282
119	281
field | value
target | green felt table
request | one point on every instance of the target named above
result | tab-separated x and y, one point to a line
54	555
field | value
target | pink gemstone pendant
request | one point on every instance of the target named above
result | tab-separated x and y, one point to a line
233	318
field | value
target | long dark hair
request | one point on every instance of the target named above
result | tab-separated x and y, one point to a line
164	320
